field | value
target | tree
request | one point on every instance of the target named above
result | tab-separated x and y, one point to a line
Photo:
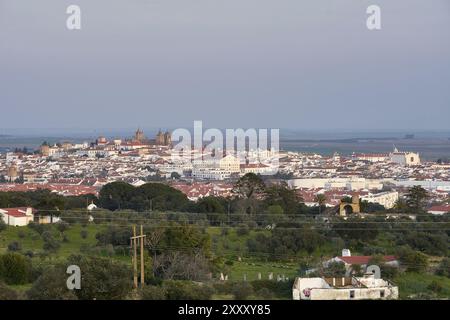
114	235
51	285
321	199
275	213
285	197
356	228
249	186
102	279
413	261
401	205
175	176
334	269
175	265
213	208
191	239
116	195
14	268
50	203
50	243
416	199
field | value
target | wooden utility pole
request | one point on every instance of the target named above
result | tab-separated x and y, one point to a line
135	277
141	239
134	243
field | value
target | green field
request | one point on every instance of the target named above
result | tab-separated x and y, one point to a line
230	246
32	241
412	283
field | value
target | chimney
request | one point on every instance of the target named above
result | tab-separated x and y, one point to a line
346	253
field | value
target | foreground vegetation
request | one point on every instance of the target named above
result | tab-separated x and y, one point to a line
264	234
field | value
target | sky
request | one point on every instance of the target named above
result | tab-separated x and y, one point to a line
307	65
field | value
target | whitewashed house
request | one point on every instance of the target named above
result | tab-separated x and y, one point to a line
17	216
345	288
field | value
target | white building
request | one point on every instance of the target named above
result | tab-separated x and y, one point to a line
256	168
386	199
216	169
352	183
211	174
345	288
17	216
404	158
370	157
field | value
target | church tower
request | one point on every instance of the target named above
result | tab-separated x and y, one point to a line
139	135
160	138
167	138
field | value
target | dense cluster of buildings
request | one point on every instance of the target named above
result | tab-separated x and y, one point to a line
83	168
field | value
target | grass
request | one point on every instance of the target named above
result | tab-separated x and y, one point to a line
411	284
30	240
251	270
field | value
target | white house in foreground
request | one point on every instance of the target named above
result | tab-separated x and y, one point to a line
17	216
346	288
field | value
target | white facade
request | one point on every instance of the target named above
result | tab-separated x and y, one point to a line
211	174
354	288
370	157
386	199
405	158
216	169
17	217
332	183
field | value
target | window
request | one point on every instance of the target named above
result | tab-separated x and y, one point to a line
381	293
352	294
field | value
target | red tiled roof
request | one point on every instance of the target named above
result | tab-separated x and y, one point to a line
444	208
364	259
16	212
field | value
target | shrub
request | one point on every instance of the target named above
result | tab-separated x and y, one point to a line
83	234
413	260
29	254
14	268
242	230
39	228
153	293
7	293
242	290
265	293
444	268
435	286
2	224
62	226
102	279
184	290
14	246
51	285
50	243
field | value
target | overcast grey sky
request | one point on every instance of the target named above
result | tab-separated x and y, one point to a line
231	63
